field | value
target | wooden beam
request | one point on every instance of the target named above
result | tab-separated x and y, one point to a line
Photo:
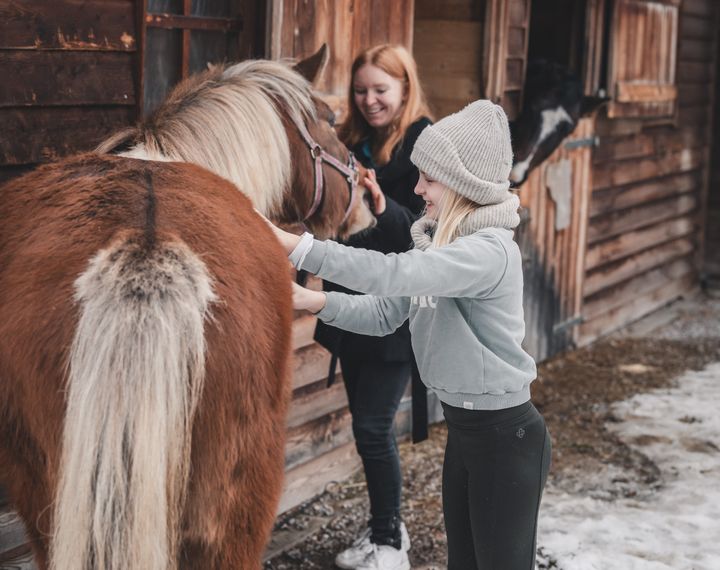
312	478
629	243
177	22
632	92
658	278
632	266
107	25
39	134
637	308
45	78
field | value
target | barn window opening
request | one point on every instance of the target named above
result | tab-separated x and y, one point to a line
557	33
184	36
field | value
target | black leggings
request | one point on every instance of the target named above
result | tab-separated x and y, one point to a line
374	392
496	465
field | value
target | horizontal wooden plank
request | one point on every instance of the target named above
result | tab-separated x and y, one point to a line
312	478
303	329
617	223
629	243
68	25
613	297
614	199
703	8
631	171
610	275
641	305
462	10
693	94
310	364
690	49
696	27
39	134
694	116
623	148
45	78
694	72
605	127
449	49
317	403
317	437
632	92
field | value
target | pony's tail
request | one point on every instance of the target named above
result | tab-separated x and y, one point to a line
120	141
135	377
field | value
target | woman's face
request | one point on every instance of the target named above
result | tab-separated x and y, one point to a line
432	192
378	95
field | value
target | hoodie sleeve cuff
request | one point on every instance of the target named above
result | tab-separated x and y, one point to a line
331	308
315	257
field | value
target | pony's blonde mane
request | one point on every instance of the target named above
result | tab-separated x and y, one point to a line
228	120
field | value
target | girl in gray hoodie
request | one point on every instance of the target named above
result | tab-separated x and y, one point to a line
461	289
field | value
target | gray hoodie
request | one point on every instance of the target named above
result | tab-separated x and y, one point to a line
464	302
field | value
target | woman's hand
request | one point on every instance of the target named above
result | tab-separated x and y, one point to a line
376	193
287	240
307	299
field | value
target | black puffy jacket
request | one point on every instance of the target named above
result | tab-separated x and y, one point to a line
397	179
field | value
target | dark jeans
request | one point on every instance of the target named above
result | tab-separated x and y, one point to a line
374	391
496	465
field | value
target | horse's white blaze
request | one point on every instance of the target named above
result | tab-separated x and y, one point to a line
551	120
135	377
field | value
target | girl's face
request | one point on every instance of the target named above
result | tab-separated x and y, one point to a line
378	95
432	192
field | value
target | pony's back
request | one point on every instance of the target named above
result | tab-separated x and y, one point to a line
178	301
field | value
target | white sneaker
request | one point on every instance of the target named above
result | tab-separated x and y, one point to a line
384	557
405	537
350	558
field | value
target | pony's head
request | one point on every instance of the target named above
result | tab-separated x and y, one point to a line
258	124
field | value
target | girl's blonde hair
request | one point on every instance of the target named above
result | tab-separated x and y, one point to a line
454	208
397	62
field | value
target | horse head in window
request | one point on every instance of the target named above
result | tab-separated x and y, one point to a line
553	103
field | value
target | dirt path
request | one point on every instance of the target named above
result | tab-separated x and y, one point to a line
575	393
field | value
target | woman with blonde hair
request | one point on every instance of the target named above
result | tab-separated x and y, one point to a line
386	112
461	288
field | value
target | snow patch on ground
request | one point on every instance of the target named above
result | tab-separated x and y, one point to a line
674	527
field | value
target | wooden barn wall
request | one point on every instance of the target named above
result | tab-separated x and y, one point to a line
646	220
68	70
300	27
320	446
712	223
448	49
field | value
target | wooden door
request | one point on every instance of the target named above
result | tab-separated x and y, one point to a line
552	239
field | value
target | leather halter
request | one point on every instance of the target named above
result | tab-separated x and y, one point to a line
320	156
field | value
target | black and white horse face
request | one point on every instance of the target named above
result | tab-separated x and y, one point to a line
553	105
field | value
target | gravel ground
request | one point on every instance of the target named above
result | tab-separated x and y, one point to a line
574	393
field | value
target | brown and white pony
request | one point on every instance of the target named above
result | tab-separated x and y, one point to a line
145	319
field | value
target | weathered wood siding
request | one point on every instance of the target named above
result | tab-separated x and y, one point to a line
712	222
448	49
68	70
649	177
552	240
300	27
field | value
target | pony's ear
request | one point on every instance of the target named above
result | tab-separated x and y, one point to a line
312	67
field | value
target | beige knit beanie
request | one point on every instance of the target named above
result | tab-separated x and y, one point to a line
469	152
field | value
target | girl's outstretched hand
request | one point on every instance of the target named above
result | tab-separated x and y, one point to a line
307	299
287	240
376	193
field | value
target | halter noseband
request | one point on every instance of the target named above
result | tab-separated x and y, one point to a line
319	155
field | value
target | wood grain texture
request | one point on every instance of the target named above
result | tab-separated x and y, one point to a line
48	78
